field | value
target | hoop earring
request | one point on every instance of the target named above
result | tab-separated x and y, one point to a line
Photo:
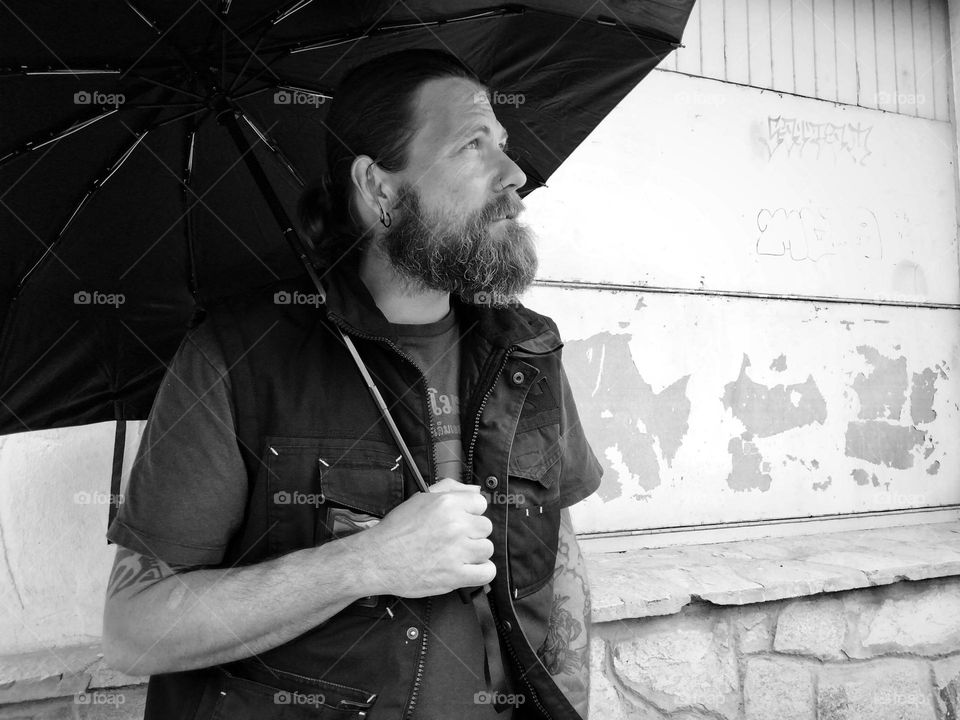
386	223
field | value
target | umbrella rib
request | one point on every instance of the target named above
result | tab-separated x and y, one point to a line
35	143
349	36
268	21
256	76
93	189
158	83
27	70
274	148
246	64
177	118
189	226
162	36
502	11
286	85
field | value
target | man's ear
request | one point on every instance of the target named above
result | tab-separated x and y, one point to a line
374	185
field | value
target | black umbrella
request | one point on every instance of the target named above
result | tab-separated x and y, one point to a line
151	153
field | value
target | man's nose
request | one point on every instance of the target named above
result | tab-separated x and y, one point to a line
511	174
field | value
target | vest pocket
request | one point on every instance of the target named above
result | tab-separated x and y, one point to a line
318	489
534	508
277	698
534	466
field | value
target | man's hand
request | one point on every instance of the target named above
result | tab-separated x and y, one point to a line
433	543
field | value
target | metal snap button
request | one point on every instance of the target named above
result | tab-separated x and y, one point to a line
491	482
507	626
518	378
412	633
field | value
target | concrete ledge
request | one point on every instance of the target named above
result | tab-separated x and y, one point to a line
58	672
646	583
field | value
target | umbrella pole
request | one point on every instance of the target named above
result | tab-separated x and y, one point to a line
228	117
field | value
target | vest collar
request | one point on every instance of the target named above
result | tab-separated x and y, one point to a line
350	304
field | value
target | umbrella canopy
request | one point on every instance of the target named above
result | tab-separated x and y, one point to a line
147	149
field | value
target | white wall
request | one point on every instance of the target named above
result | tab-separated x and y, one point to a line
881	54
54	558
700	184
809	231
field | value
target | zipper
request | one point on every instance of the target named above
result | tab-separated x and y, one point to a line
534	696
473	440
422	654
483	402
423	380
516	659
418	680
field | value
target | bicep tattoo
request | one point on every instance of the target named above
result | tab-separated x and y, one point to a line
133	572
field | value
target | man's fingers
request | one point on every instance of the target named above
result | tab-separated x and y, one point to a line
448	484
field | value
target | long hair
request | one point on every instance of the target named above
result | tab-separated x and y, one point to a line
373	113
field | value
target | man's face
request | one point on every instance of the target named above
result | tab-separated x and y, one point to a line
454	227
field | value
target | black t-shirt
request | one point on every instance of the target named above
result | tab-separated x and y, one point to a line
454	657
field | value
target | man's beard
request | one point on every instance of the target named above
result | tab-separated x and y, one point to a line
471	259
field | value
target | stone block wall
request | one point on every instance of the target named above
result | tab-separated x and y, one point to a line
889	652
882	653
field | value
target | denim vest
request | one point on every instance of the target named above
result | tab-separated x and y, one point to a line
308	430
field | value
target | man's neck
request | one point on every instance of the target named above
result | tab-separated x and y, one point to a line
394	296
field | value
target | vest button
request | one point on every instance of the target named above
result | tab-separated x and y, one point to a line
517	378
491	482
507	626
412	633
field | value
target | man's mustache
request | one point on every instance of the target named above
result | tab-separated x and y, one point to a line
503	206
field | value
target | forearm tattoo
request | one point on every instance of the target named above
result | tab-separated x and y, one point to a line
136	571
566	649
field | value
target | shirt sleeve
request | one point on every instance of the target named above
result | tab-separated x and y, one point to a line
188	484
580	471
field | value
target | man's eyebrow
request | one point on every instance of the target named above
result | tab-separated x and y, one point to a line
485	129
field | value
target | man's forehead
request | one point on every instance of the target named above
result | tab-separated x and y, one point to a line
450	107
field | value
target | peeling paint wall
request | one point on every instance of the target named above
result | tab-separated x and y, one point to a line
760	320
715	410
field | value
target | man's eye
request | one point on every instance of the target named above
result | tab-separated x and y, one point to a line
473	143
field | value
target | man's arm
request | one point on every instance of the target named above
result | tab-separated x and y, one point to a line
163	618
566	649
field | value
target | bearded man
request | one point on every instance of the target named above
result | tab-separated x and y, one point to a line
275	558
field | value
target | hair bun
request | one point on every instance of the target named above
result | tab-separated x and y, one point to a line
315	210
